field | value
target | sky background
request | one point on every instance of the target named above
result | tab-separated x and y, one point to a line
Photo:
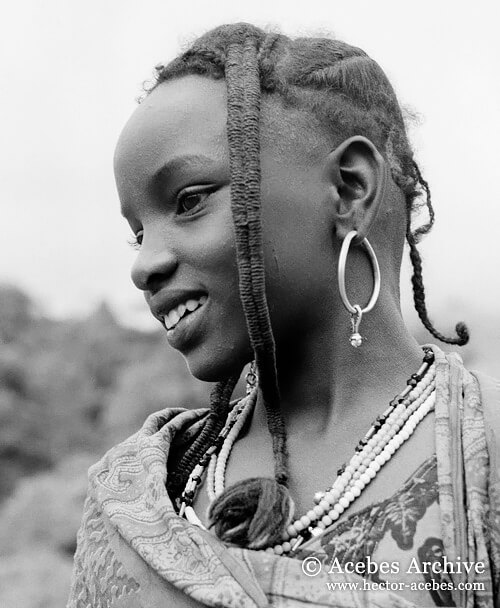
70	72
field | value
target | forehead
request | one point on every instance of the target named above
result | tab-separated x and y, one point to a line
186	116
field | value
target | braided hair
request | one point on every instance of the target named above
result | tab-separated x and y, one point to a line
347	91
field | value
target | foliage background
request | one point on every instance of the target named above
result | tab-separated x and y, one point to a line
69	389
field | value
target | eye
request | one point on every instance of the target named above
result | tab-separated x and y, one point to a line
191	199
136	241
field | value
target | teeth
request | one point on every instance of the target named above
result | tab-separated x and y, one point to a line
192	305
175	315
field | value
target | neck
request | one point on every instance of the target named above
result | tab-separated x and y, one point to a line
327	385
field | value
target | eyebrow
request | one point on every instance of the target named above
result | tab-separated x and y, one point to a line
162	175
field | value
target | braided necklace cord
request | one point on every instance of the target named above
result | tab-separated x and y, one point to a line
218	462
384	437
196	476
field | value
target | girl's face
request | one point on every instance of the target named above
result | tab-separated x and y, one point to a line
173	178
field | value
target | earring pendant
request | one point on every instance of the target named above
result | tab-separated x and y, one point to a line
356	338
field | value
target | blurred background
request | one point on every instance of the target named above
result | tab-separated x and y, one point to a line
81	363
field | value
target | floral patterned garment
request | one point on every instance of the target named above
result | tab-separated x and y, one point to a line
134	551
402	531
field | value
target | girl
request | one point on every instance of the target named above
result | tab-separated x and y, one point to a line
356	457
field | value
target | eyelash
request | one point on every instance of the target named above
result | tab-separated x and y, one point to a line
197	191
134	241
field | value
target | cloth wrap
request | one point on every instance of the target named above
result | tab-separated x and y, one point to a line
134	551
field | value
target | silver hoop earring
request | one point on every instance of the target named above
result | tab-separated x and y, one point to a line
356	311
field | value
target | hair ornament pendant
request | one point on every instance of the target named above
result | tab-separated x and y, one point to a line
356	312
251	377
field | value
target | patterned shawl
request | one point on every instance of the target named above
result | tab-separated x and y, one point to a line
135	552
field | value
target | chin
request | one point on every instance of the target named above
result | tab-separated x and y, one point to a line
216	366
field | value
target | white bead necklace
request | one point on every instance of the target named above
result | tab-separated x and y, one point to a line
344	493
218	462
363	466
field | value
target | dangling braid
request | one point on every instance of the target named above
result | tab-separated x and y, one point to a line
243	87
412	238
350	94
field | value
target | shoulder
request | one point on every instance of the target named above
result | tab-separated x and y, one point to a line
467	405
451	371
490	391
489	394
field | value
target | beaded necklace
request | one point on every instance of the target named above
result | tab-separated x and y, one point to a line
386	434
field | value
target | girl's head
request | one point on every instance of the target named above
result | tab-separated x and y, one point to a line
267	110
253	147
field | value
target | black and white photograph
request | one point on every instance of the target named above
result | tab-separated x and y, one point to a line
250	304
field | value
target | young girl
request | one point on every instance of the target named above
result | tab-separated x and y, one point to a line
360	468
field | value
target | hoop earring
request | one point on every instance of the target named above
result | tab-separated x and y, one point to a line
356	311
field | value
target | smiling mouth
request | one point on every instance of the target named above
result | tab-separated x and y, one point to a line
181	311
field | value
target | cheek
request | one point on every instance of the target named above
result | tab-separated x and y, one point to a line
300	269
226	346
218	252
215	260
295	225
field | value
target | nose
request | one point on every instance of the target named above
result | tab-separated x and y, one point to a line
154	264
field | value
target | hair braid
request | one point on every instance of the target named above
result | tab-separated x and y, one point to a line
418	284
243	86
267	61
262	506
422	230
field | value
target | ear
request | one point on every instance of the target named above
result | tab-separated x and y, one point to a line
358	176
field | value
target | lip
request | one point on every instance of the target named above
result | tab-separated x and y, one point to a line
186	329
165	301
